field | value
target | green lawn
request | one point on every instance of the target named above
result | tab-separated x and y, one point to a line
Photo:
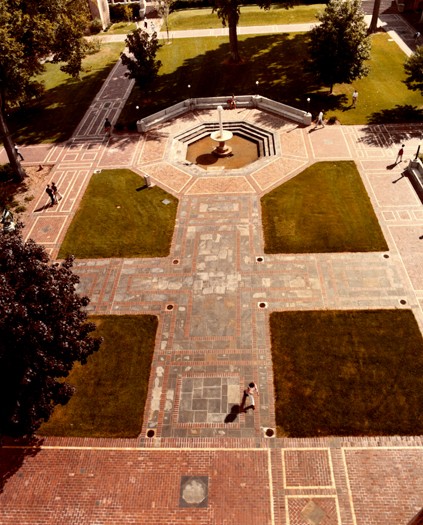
120	217
111	389
119	28
277	63
54	116
357	373
251	15
323	209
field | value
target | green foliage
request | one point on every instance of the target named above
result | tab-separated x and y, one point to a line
141	62
111	389
124	12
339	46
96	26
347	372
323	209
42	333
32	31
414	69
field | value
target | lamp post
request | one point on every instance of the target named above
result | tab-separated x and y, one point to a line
257	85
308	104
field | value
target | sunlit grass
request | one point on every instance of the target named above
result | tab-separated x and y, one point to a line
119	217
353	372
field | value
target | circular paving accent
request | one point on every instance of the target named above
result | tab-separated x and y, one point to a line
262	305
194	491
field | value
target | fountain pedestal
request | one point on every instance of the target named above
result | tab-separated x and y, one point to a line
221	136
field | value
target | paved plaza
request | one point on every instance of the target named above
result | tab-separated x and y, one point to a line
204	463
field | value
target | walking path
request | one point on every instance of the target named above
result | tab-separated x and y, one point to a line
202	466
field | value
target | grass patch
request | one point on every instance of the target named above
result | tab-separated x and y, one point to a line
119	217
120	28
111	389
347	373
251	15
323	209
54	116
277	62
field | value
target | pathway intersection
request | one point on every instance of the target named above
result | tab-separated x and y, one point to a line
200	466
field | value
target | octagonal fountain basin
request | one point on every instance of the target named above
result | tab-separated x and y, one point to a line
248	144
244	152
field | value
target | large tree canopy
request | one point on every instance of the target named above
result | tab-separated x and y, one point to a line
229	12
339	45
141	62
414	69
43	331
30	32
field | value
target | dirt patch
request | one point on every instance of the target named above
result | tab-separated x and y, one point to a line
17	196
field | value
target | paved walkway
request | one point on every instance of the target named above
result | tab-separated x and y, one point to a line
203	465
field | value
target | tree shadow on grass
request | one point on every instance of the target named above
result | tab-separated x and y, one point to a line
275	61
12	456
54	116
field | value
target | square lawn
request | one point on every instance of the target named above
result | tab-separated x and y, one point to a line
111	388
353	372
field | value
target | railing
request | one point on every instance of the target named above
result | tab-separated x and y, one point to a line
252	101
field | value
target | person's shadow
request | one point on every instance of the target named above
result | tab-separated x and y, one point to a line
237	409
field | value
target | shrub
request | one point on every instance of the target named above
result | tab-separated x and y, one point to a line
96	26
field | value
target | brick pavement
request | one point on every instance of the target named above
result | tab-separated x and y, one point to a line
213	296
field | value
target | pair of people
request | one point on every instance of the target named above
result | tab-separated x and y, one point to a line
53	193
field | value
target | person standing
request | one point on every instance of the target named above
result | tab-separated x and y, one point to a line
108	127
354	98
249	392
400	154
56	193
50	193
18	153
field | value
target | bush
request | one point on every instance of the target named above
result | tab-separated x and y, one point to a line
96	26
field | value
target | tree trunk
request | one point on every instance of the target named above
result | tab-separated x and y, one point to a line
9	147
375	16
233	40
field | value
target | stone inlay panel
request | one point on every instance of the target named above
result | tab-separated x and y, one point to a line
307	468
312	511
194	491
46	231
206	400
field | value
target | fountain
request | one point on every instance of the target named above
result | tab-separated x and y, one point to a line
221	136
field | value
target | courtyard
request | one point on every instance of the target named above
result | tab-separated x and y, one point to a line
213	296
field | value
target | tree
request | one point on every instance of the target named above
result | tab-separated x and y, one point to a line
339	46
414	70
375	16
164	7
43	331
141	63
31	31
229	12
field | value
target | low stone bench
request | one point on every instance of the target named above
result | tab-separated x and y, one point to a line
415	174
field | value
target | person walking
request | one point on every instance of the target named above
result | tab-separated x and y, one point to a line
50	193
354	98
320	120
249	392
56	193
18	153
400	154
108	127
416	36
